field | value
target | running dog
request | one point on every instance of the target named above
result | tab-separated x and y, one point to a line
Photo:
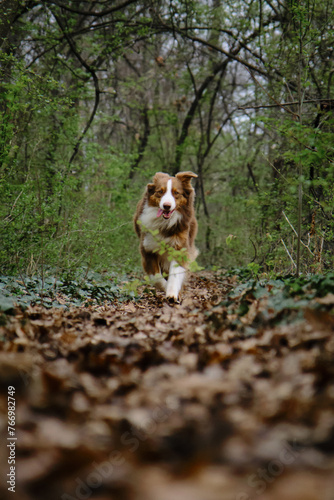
167	209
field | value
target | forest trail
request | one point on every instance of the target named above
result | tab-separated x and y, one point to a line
226	396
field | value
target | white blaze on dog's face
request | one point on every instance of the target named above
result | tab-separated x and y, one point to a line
167	203
169	193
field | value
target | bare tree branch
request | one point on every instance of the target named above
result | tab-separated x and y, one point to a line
93	13
283	104
89	70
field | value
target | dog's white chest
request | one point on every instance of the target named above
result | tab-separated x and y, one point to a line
150	243
151	222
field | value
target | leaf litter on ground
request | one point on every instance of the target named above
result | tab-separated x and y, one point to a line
228	395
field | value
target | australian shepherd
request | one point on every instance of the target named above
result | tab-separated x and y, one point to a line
167	211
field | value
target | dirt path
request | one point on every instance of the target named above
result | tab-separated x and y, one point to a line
147	401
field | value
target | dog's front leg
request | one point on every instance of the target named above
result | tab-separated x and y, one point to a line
158	281
175	280
152	269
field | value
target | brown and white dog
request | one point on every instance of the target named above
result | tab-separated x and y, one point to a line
167	208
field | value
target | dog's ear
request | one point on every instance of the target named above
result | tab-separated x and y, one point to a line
185	177
160	177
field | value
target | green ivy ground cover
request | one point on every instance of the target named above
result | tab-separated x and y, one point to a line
279	296
60	292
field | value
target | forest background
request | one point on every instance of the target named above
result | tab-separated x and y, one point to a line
96	96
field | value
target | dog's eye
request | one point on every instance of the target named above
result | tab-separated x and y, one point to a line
160	191
175	192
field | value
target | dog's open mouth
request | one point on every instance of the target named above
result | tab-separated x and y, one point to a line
165	213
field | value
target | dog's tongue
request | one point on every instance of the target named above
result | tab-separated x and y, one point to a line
160	212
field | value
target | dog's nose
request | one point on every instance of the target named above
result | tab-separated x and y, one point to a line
167	206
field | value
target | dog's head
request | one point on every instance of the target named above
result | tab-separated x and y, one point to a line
170	193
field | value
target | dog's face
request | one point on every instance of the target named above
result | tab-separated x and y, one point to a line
169	193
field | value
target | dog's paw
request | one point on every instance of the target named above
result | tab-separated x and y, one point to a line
171	299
